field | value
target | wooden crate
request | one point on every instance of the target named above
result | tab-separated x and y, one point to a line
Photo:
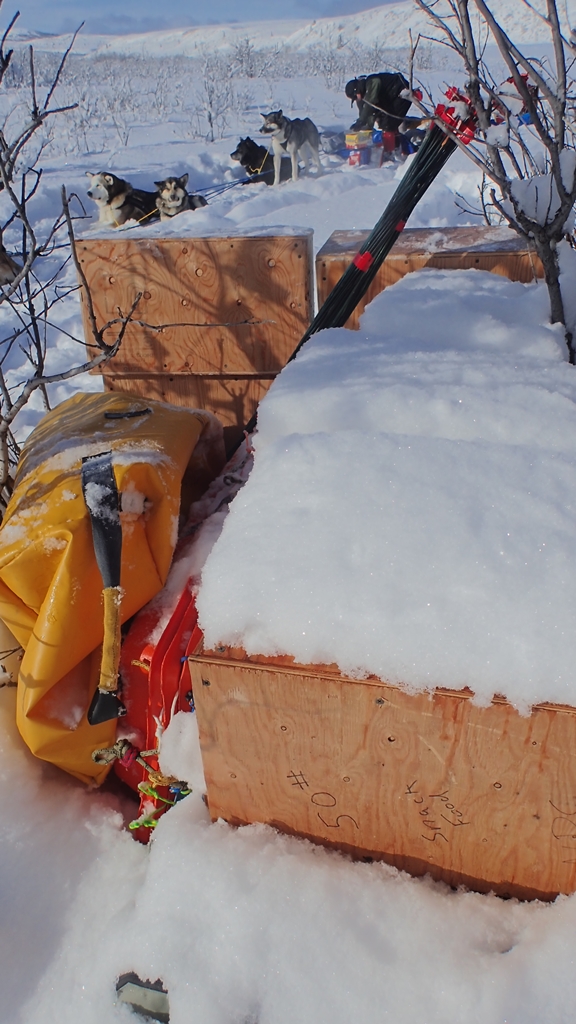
234	309
498	250
429	783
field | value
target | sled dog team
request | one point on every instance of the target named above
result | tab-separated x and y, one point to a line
382	101
118	201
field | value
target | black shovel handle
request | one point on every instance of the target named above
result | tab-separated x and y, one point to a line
103	504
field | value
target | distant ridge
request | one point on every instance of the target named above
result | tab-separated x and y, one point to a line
387	25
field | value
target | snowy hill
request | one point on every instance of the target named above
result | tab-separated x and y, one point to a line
386	26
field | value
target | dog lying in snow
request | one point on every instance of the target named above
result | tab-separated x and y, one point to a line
299	137
258	162
173	198
118	202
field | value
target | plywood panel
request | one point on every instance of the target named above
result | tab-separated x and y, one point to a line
229	305
232	399
480	796
497	250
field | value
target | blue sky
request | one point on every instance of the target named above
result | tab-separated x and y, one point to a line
147	15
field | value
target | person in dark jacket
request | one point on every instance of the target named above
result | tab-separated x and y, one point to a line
380	101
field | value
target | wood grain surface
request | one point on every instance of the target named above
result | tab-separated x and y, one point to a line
497	250
232	399
230	305
234	310
429	783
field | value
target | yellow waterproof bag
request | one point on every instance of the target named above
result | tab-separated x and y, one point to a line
87	540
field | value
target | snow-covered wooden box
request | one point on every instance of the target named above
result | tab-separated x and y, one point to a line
498	250
479	796
225	313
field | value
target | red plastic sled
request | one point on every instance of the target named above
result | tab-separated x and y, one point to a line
154	670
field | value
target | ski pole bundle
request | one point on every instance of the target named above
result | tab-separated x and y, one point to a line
355	281
435	150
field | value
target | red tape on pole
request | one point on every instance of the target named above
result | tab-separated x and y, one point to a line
363	260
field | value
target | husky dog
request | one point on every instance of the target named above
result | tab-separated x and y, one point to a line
258	162
173	198
9	270
298	137
118	202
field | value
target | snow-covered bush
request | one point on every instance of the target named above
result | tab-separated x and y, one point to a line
33	278
112	94
525	140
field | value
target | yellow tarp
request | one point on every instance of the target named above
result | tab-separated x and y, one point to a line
50	586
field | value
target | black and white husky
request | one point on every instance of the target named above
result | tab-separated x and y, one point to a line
258	162
118	202
298	137
173	198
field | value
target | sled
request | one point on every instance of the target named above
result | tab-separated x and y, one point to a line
155	686
154	663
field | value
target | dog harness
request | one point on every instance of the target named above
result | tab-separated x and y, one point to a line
253	170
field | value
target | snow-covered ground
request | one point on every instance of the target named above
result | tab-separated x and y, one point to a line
452	406
412	496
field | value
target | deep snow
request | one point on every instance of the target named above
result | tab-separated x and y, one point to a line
244	925
411	509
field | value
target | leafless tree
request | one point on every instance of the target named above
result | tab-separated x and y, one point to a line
216	99
28	296
525	137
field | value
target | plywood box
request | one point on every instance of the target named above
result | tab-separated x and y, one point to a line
219	316
498	250
429	783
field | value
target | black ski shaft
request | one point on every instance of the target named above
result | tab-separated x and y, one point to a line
355	281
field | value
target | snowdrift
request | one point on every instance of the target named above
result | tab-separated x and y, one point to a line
411	509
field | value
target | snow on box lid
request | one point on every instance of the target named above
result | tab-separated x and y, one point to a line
203	223
412	508
431	240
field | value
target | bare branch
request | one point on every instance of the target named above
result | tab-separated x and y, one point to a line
539	217
440	23
33	82
512	54
5	58
58	74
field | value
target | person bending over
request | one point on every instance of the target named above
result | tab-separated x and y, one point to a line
380	100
